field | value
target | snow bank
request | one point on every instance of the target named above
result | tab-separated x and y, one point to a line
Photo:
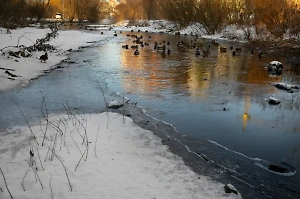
29	68
104	155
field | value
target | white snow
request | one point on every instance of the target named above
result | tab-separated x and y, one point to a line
116	158
275	63
114	104
122	161
30	68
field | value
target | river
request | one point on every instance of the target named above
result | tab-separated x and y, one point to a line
214	109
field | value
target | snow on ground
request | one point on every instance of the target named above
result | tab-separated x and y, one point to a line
230	32
115	158
31	67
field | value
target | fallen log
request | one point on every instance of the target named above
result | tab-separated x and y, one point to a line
2	68
11	74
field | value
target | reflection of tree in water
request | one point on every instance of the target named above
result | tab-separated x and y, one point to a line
220	77
246	115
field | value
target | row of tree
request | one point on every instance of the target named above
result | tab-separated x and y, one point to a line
15	12
91	10
277	16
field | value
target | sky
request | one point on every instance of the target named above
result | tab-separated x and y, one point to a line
85	156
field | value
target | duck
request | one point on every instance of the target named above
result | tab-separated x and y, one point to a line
223	49
197	53
138	41
214	42
44	57
259	54
169	51
155	45
161	47
125	46
181	47
134	46
237	51
136	52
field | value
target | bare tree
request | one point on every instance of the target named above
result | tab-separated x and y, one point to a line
80	6
69	10
93	10
150	8
130	10
293	20
273	14
212	14
180	12
12	13
37	8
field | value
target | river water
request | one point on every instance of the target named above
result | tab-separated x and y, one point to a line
214	109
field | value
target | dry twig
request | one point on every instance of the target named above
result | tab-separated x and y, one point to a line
6	183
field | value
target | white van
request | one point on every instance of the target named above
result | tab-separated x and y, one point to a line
58	16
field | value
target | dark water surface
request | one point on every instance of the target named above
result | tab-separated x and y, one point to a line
216	103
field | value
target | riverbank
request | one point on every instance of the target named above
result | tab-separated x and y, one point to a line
97	155
17	70
87	156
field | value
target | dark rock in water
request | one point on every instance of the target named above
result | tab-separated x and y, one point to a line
276	168
275	65
275	68
288	87
273	101
229	188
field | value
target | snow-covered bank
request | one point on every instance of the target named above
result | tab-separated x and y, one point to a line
29	68
161	26
96	156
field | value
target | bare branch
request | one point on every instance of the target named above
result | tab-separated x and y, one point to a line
63	167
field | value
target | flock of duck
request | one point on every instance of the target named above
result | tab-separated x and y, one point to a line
164	47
